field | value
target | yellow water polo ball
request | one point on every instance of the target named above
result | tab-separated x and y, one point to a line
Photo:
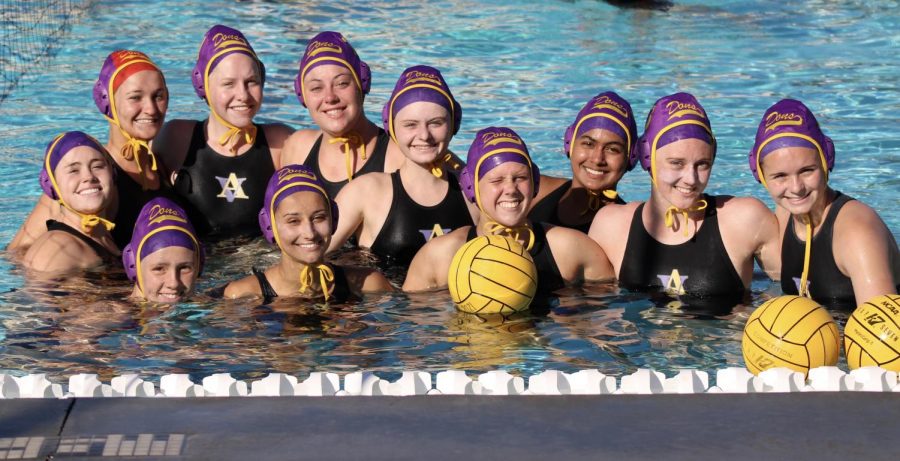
492	274
872	334
792	332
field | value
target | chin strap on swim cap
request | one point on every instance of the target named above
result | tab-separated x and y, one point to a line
132	151
673	210
803	289
348	142
307	278
595	202
437	167
516	232
89	221
234	133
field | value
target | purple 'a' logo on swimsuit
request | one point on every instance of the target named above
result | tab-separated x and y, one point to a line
797	284
435	231
673	283
231	187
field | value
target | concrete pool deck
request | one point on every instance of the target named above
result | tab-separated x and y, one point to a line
809	425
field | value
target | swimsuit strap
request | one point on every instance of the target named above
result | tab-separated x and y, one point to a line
265	287
102	251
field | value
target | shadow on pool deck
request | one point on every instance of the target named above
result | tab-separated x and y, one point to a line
723	426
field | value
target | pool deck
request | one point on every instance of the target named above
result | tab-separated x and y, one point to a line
809	425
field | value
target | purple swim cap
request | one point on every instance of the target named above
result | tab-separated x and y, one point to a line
420	83
673	118
119	65
56	150
607	111
493	147
288	180
789	123
219	42
332	48
160	224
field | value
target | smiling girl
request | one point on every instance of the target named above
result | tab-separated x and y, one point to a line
221	165
501	180
599	144
331	84
834	249
78	176
299	217
164	256
395	214
681	240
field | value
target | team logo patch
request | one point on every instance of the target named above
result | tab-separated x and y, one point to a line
673	283
231	187
797	284
435	231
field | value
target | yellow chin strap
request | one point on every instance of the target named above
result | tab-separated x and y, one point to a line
132	151
349	141
673	210
437	167
89	221
595	202
326	276
234	133
804	289
494	228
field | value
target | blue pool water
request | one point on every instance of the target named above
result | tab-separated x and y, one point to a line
527	65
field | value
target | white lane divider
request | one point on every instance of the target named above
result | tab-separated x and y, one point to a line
456	382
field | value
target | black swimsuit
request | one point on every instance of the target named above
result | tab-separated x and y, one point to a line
410	225
699	267
104	254
549	278
339	295
374	163
132	197
223	195
547	210
826	282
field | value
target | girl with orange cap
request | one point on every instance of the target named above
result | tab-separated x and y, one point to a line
221	165
131	94
332	83
681	240
78	176
394	214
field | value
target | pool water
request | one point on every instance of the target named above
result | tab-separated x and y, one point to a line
527	65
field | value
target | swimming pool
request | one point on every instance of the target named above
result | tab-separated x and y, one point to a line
527	65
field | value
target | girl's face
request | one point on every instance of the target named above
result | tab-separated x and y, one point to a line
505	193
236	90
85	180
141	104
168	275
304	226
423	131
682	171
598	160
332	98
795	179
